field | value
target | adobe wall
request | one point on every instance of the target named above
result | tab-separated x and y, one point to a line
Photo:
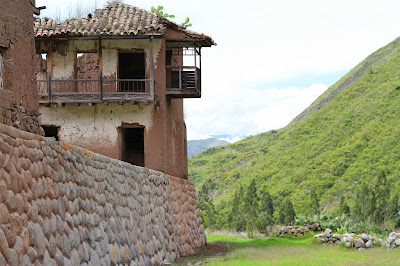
60	204
96	127
18	97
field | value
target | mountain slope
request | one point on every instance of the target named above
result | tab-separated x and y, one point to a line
348	137
196	146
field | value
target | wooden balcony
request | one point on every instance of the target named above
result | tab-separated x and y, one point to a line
95	91
183	82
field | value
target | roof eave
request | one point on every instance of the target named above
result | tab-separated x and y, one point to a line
206	41
96	36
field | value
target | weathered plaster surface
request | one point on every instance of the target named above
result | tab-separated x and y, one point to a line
63	60
110	63
96	127
111	48
63	65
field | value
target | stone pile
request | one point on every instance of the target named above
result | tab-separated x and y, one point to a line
328	237
63	205
291	231
393	240
316	227
349	240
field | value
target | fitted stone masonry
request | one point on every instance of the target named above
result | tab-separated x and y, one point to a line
64	205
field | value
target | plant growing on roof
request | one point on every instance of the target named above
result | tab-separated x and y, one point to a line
186	23
158	11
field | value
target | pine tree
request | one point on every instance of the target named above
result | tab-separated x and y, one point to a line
314	203
381	189
363	203
236	201
238	211
251	193
266	204
291	214
251	200
286	212
393	207
343	207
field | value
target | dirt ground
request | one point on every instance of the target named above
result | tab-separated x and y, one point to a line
206	254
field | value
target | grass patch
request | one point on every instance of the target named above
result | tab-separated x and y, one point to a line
303	251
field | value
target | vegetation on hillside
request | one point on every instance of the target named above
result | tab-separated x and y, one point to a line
341	155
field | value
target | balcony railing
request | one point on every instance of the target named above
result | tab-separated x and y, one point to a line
183	81
93	91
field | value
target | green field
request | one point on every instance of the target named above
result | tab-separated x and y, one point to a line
291	252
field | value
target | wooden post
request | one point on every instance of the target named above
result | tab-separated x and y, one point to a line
101	69
195	55
200	57
151	69
49	69
180	67
199	82
195	69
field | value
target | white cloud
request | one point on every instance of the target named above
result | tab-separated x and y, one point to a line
238	112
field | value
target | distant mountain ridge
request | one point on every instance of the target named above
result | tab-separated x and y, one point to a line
198	146
344	142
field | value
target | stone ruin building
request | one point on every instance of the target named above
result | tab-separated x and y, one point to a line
114	83
66	205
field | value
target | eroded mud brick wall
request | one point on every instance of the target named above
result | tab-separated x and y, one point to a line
18	93
60	204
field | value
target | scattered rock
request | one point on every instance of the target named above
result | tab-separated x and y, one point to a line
369	244
291	231
359	243
349	240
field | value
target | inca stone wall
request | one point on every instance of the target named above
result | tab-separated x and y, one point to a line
63	205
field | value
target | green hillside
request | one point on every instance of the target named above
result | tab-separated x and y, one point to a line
345	145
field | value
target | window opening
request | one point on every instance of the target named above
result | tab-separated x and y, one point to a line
51	131
87	72
132	72
132	145
41	73
183	66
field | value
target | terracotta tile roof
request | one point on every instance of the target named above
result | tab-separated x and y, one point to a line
120	19
117	20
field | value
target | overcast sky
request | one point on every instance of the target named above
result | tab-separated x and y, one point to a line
273	58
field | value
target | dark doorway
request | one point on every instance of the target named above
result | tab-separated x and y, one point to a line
132	145
51	131
132	66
